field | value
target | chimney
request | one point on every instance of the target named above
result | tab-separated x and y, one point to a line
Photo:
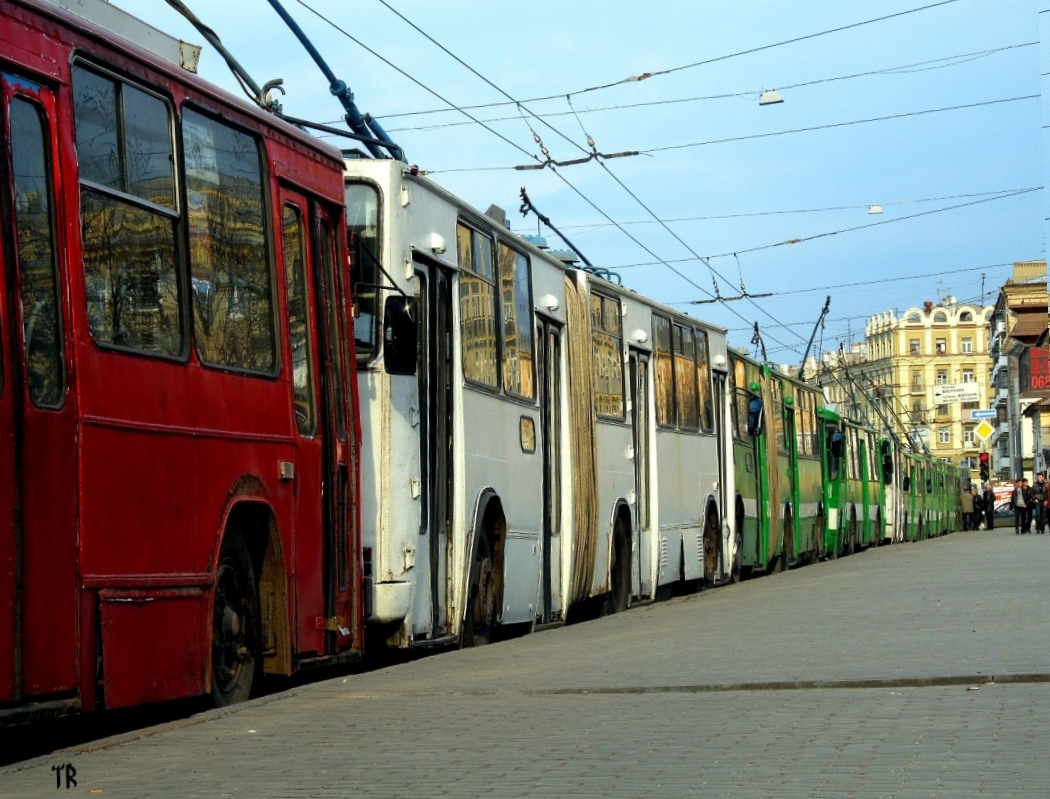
928	306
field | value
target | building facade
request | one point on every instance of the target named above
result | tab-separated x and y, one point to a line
1017	327
925	373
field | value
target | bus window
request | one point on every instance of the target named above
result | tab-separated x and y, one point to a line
477	305
664	371
516	300
299	320
607	341
45	371
685	378
233	298
362	225
703	382
128	212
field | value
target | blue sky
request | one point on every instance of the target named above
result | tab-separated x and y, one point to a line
924	60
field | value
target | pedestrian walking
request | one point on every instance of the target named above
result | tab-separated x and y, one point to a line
989	507
978	509
966	506
1038	494
1019	503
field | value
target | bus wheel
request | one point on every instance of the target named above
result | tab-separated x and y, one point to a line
235	624
480	621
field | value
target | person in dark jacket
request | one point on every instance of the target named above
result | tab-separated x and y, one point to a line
1019	503
989	507
1038	504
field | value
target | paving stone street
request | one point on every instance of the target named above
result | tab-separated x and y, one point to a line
917	670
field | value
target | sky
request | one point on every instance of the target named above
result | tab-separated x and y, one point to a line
719	184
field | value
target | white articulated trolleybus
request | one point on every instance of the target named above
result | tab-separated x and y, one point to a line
554	444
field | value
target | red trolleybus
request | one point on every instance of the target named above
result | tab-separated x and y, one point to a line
178	436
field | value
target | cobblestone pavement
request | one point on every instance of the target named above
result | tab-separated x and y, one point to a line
918	670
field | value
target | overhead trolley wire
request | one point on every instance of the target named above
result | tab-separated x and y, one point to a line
904	69
647	75
839	124
884	204
771	134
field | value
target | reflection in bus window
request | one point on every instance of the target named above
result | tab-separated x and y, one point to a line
45	372
685	378
298	320
703	382
516	305
225	207
128	211
664	371
477	305
607	356
362	223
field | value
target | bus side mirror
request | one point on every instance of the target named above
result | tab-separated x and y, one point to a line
754	417
906	484
400	335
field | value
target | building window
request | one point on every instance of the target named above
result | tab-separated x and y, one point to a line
944	435
967	345
969	437
942	345
968	376
913	346
942	410
966	316
942	377
916	380
971	406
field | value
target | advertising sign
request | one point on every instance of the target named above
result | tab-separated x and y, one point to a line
947	393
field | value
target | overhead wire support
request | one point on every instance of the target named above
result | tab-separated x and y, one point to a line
362	124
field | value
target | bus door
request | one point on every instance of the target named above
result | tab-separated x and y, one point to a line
640	417
434	293
324	540
548	334
724	439
791	449
38	478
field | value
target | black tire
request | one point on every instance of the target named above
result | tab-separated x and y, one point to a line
619	597
479	622
235	625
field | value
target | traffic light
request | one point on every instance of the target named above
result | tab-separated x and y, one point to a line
983	457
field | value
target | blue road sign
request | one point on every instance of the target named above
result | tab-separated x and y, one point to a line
983	413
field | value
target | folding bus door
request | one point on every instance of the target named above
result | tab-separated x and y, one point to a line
548	335
38	537
434	286
640	418
325	552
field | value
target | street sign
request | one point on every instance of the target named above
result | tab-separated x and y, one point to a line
947	393
983	413
984	431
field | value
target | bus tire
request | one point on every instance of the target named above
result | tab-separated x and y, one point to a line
620	569
479	622
235	624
